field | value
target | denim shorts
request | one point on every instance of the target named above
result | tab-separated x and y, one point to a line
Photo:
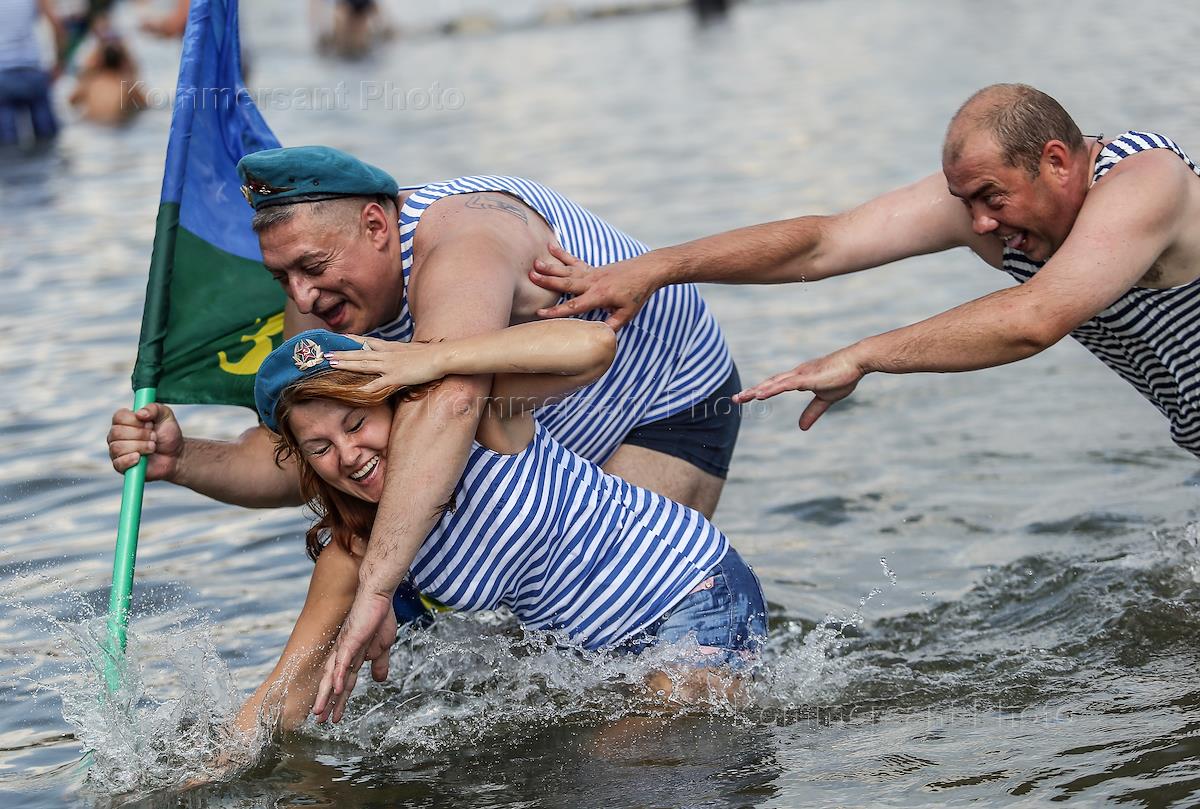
725	615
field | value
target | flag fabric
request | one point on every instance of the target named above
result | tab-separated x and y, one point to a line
212	312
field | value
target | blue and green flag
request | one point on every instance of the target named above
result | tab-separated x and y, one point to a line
212	312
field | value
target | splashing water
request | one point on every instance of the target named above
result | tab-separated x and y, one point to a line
468	679
887	571
471	678
140	741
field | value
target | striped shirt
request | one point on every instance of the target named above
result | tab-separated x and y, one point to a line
1148	336
669	357
565	546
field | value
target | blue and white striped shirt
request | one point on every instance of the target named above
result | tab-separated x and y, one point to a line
564	545
669	357
1148	336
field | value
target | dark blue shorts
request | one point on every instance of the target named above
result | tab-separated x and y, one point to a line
703	435
725	615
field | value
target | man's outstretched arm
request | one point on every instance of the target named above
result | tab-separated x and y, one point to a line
918	219
1126	224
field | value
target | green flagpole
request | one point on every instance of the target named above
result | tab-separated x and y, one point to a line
125	557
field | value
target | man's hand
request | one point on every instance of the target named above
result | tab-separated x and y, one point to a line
151	431
367	634
621	289
831	378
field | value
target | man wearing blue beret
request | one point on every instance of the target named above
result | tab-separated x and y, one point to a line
357	254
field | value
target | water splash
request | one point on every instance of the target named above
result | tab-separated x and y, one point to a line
168	723
887	571
469	679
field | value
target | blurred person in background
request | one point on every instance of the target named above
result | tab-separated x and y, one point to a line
108	91
73	14
24	81
1100	235
171	24
348	29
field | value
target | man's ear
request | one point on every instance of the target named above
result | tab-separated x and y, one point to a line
1057	159
377	224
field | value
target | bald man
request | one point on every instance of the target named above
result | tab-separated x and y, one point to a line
1101	234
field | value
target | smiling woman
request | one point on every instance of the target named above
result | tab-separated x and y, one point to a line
523	515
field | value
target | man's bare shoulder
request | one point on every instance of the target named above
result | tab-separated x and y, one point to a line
481	211
1155	184
1153	194
1150	163
489	235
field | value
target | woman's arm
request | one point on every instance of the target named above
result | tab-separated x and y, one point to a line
289	691
535	361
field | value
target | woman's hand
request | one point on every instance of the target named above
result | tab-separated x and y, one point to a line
397	365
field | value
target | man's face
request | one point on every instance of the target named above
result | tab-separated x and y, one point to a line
1030	214
340	274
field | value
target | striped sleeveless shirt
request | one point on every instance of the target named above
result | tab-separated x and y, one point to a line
564	545
669	357
1148	336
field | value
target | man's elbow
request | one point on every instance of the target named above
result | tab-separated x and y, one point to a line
1040	333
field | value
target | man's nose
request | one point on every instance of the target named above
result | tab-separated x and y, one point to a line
302	293
983	224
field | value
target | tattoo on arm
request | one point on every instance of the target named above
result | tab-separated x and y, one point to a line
496	203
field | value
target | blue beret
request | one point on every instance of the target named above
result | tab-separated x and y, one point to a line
308	174
298	358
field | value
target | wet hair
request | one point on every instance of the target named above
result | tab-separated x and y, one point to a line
1022	119
340	516
334	212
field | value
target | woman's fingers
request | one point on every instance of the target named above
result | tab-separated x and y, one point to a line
358	361
379	344
377	385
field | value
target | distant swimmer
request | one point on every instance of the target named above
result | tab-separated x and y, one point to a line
108	91
1100	234
349	29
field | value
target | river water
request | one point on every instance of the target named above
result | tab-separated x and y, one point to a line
983	587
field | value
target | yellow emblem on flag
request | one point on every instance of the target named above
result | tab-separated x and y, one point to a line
248	364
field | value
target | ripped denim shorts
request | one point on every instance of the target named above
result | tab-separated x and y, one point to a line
725	615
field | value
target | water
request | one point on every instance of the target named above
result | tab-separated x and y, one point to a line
983	586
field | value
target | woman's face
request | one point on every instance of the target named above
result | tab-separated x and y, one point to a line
346	446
